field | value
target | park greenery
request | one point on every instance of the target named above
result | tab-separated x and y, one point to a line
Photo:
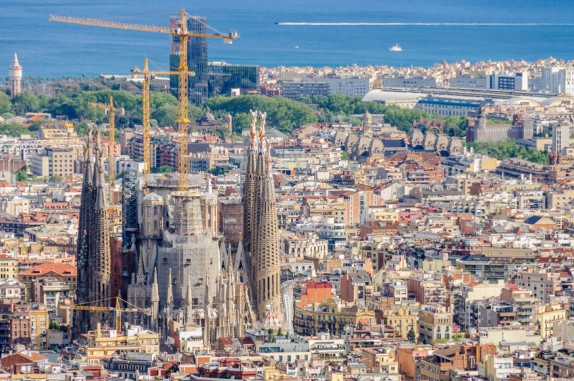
338	107
73	103
506	149
282	113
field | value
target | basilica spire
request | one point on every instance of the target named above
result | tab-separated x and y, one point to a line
154	300
207	316
93	254
249	183
265	236
169	299
188	302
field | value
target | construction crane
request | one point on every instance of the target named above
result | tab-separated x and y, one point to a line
110	109
183	35
146	128
118	310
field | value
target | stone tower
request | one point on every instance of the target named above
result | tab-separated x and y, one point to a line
81	318
15	77
93	248
249	183
265	239
367	123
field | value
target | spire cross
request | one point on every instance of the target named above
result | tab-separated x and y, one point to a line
253	125
262	123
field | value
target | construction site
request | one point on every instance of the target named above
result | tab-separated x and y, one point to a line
149	244
159	225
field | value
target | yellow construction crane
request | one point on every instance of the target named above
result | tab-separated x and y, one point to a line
118	310
146	128
111	110
183	80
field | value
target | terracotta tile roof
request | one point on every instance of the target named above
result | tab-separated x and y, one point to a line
22	358
61	269
35	357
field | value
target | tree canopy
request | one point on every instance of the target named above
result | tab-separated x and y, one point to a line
26	102
162	169
338	107
5	104
281	112
506	149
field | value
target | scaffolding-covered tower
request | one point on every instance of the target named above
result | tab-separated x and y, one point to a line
129	206
178	234
193	251
129	228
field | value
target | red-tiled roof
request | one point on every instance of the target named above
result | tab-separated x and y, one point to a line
61	269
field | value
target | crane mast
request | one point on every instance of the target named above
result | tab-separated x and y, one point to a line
111	110
183	110
111	147
146	128
146	94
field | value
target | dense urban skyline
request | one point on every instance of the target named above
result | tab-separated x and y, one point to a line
350	194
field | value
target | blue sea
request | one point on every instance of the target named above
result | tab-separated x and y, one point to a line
429	31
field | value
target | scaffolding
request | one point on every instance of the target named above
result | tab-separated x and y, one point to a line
129	206
189	219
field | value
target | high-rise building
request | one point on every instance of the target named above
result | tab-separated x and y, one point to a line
558	80
15	77
322	86
93	248
223	77
196	59
504	81
210	79
54	162
560	138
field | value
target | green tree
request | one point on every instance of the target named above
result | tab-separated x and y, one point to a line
411	336
5	104
457	337
54	325
21	176
82	128
25	102
61	105
403	118
55	179
195	112
162	169
241	122
15	130
35	126
506	149
282	113
161	99
165	115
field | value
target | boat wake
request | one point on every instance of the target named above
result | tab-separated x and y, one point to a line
289	23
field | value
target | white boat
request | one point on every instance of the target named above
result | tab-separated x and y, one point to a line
396	48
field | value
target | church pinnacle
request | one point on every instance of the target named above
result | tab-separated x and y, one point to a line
260	209
93	249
